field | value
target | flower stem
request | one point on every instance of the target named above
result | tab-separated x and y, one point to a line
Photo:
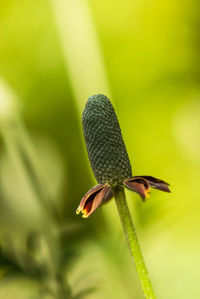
130	233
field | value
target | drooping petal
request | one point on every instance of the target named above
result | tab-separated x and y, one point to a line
138	185
87	195
93	199
108	196
156	183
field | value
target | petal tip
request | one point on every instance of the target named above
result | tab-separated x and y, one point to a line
167	189
85	216
78	210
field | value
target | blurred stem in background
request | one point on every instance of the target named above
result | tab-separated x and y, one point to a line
24	159
21	150
81	49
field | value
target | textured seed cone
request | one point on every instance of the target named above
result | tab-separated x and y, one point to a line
106	149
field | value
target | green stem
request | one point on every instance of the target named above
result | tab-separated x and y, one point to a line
130	233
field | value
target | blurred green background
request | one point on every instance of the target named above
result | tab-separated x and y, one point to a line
145	55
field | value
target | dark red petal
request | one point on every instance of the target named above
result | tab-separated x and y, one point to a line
108	196
156	183
138	185
87	195
93	199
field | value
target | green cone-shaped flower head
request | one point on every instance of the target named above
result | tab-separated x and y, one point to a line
106	149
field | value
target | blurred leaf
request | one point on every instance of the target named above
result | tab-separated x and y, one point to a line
85	292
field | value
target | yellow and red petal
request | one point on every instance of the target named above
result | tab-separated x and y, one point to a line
93	199
156	183
138	185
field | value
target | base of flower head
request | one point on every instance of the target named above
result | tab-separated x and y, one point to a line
143	184
102	193
93	199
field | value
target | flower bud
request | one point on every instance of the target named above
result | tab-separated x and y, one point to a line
105	146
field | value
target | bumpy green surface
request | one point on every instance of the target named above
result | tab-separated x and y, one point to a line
106	149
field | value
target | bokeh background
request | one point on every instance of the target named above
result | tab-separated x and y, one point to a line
145	55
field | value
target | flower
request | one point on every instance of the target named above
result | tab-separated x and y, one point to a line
108	157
